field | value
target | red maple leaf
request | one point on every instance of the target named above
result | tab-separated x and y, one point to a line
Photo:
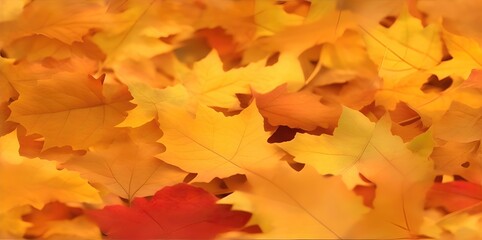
454	196
179	211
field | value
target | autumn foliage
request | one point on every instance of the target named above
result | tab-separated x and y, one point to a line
269	119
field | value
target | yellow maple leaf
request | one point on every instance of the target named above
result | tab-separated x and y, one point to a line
294	205
133	29
213	145
401	173
466	55
151	96
266	11
36	182
213	86
324	23
347	52
329	154
79	228
431	105
404	48
153	103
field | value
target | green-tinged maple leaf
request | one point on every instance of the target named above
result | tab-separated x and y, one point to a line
404	48
402	173
153	103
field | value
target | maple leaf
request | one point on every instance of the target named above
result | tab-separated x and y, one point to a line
133	29
134	95
296	110
44	183
406	123
268	10
179	211
346	87
39	47
465	122
127	166
42	219
459	16
406	47
213	145
396	169
288	196
153	90
79	228
324	23
328	154
5	126
431	105
16	77
153	103
66	21
454	158
158	72
213	86
466	55
7	91
69	107
454	196
236	17
371	12
58	221
335	55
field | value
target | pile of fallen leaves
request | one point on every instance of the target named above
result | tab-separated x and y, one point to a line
153	119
